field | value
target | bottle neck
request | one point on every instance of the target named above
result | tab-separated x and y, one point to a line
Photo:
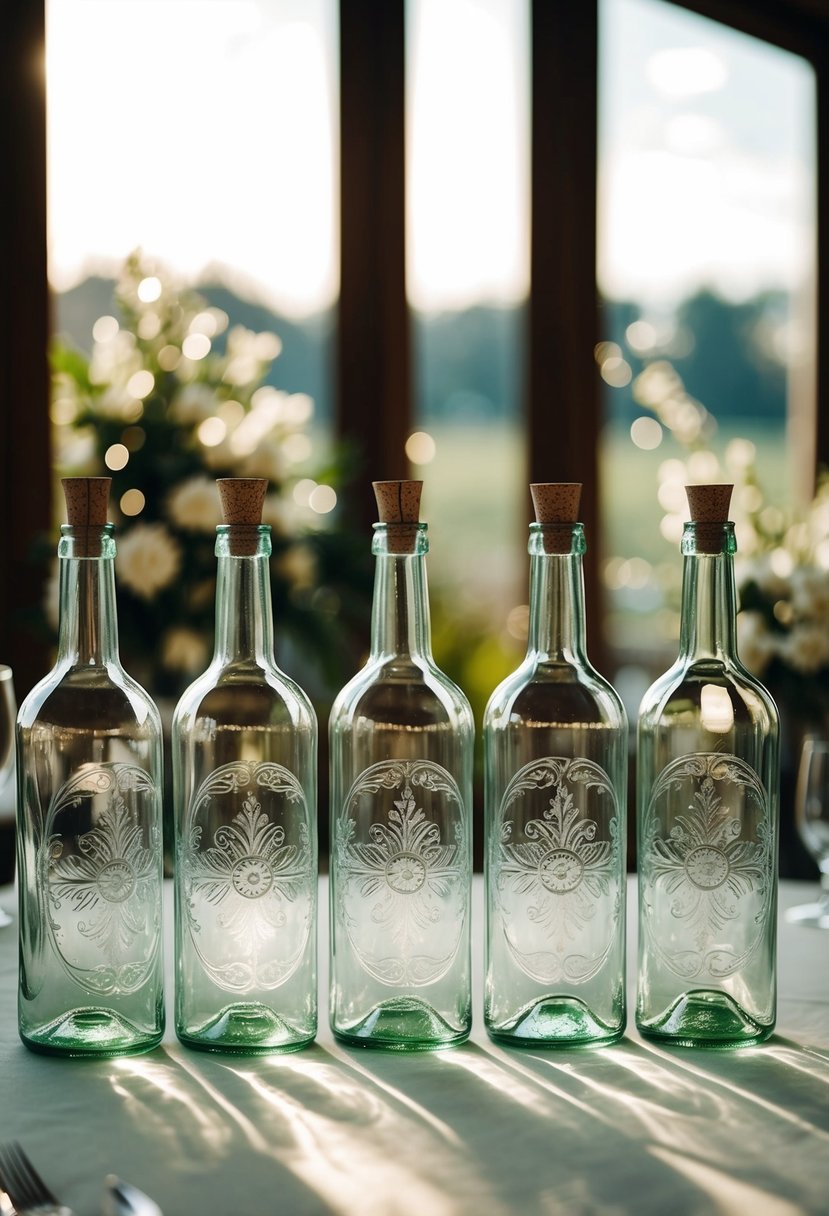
88	634
244	617
400	614
557	627
709	602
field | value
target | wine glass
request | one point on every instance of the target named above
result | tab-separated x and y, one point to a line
8	717
812	812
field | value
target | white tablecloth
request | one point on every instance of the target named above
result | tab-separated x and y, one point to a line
478	1129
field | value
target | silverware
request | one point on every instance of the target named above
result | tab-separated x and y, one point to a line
123	1199
24	1186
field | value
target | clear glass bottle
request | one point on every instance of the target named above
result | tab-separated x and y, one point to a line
707	785
555	751
89	819
244	780
401	736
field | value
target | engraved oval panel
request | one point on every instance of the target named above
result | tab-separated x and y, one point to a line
707	866
100	868
403	871
249	885
555	869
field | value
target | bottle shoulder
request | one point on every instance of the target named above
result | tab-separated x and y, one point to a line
89	697
555	692
244	694
688	683
399	691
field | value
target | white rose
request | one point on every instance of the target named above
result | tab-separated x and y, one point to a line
194	505
194	403
281	514
806	648
298	566
266	460
148	559
810	593
115	402
755	641
183	649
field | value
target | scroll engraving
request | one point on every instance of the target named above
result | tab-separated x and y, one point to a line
103	885
402	890
249	893
557	890
707	865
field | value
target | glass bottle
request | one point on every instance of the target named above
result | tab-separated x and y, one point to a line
707	815
244	782
401	736
89	819
555	750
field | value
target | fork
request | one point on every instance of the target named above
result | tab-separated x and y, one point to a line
24	1186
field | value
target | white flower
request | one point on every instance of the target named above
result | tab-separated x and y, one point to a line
280	513
183	649
758	570
298	566
194	505
266	460
755	640
148	559
810	594
193	403
115	402
806	648
115	360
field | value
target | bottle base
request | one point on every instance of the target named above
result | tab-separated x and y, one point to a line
250	1029
705	1019
90	1032
405	1024
556	1021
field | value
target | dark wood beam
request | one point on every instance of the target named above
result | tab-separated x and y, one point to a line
373	390
563	406
25	450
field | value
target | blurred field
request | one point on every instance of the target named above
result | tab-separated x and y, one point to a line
476	502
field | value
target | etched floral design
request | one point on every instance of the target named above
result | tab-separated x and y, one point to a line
404	880
248	894
111	874
550	886
706	868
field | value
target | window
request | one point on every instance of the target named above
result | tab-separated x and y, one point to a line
468	277
707	236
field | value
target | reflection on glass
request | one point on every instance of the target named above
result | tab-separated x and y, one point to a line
706	246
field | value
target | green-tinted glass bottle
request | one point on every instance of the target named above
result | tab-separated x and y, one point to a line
89	819
707	815
555	749
244	777
401	738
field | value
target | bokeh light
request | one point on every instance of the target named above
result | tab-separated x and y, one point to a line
116	456
421	447
132	502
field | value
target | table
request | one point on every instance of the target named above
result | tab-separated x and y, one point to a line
479	1129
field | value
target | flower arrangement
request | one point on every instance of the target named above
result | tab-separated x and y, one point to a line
170	398
782	566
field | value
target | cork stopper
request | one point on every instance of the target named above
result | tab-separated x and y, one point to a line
709	505
556	510
242	499
87	504
398	502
